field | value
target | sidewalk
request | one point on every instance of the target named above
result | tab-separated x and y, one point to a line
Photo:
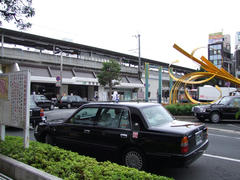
4	177
20	171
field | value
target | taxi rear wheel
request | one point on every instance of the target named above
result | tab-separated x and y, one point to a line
134	158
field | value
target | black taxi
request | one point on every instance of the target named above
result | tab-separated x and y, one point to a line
227	108
135	133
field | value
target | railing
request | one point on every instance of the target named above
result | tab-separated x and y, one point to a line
37	57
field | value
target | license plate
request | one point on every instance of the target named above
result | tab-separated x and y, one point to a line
198	137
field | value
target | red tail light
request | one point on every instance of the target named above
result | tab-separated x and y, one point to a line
184	145
41	113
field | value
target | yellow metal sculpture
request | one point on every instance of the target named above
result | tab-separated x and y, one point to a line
211	72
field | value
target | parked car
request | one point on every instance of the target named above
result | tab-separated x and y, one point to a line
70	101
36	114
42	101
134	133
228	107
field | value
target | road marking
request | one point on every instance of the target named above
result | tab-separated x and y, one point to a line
221	157
233	125
224	130
238	138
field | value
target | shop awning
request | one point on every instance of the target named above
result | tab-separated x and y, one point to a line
36	71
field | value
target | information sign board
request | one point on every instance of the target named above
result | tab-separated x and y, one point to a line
15	99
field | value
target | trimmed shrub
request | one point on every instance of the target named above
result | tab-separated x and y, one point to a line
180	109
68	165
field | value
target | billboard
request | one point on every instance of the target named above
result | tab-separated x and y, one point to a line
215	37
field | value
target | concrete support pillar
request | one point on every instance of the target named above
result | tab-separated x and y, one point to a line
90	92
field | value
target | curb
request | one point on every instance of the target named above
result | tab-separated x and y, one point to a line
20	171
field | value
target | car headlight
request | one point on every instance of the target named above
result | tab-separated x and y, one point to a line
202	110
192	109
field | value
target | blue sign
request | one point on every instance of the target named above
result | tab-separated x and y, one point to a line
58	78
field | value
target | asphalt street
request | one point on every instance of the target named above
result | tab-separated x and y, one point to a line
221	161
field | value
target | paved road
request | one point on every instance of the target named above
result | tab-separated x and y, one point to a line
220	161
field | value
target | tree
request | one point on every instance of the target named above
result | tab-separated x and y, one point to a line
17	11
109	72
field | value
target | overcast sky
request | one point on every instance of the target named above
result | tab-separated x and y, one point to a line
112	24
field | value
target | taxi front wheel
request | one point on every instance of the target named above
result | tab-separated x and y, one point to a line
215	117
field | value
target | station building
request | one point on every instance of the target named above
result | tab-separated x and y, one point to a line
42	56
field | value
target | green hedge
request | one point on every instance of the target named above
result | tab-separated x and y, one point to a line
180	109
68	165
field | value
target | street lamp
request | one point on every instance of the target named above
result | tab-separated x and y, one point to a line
59	50
139	56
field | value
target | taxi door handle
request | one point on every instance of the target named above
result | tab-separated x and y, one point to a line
124	136
86	131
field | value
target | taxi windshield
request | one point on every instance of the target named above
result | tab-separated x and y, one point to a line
224	100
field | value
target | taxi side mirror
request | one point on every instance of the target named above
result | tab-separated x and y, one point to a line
136	126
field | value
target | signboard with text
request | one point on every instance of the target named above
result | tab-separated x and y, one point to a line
14	99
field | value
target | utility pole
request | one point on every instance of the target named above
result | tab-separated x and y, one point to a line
139	58
61	74
61	51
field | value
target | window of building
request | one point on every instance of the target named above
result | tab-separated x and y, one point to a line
220	62
215	62
219	56
211	52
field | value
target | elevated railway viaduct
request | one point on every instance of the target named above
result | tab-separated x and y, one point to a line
80	66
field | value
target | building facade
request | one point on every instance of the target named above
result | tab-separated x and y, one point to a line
219	52
78	65
237	54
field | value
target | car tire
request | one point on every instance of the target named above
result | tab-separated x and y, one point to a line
215	117
48	139
51	107
134	158
69	106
